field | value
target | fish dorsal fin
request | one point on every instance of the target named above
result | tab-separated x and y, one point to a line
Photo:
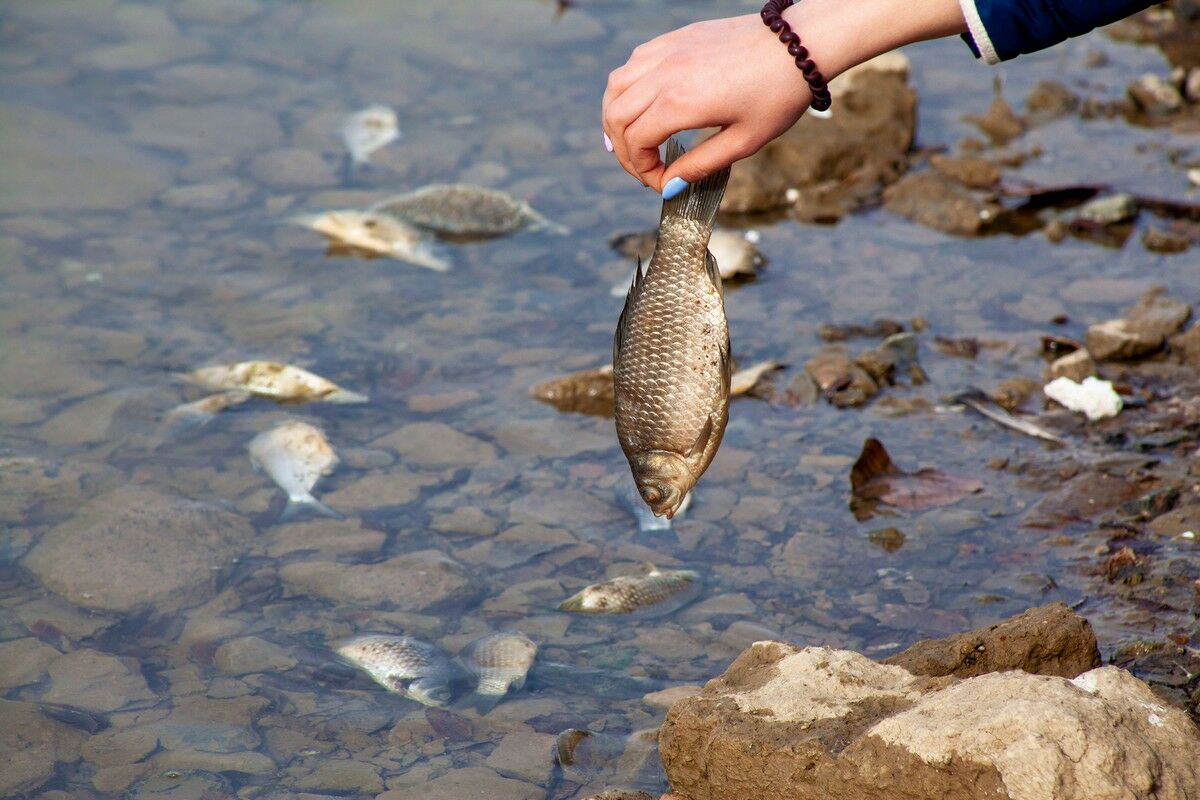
619	336
714	272
702	440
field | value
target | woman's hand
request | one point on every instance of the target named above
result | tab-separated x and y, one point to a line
728	73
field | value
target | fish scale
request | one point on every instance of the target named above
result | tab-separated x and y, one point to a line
671	366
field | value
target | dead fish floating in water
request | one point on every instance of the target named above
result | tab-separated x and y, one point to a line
587	392
404	665
375	234
295	455
366	131
671	362
626	492
500	662
744	380
737	257
981	404
202	411
460	209
280	382
627	594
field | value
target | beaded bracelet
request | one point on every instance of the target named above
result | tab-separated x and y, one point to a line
772	17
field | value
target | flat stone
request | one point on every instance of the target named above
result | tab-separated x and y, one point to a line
395	487
326	537
225	194
33	746
464	519
524	755
1157	316
343	775
1050	640
134	547
549	438
293	168
248	761
436	444
54	163
252	654
411	582
205	129
85	422
96	681
1116	340
932	200
117	746
1076	366
473	782
24	661
1186	346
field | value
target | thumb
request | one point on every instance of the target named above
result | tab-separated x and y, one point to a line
713	154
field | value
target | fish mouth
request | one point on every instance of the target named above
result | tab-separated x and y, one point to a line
669	507
573	603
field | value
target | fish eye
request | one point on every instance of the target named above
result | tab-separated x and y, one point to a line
651	494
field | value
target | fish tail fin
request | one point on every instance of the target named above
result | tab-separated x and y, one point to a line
483	703
699	201
295	509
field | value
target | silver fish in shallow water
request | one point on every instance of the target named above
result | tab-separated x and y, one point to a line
376	234
629	593
460	209
671	364
295	455
404	665
366	131
500	661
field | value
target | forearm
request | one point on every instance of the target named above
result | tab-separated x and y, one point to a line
842	33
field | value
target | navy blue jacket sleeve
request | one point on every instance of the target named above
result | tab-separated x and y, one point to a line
1004	29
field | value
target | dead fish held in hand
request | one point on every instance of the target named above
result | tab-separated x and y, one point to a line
671	363
737	257
460	209
629	593
404	665
295	455
501	662
377	234
281	382
366	131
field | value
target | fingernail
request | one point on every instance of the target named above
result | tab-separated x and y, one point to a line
674	187
607	143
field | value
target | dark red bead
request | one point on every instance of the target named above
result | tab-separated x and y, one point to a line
789	37
807	66
821	103
797	50
776	25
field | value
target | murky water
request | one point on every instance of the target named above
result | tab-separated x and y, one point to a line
151	155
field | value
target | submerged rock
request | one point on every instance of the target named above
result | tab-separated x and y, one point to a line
831	724
930	199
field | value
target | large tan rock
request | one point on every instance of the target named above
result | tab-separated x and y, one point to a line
818	723
1050	640
33	744
135	547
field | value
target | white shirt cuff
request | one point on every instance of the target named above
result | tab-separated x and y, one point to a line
978	32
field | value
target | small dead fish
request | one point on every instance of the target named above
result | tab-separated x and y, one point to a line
737	257
629	593
281	382
671	363
366	131
746	379
202	411
459	209
980	403
628	498
375	233
501	662
404	665
295	455
587	392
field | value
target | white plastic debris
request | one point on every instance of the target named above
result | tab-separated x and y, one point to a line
1094	397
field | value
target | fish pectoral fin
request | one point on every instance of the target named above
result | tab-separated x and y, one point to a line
701	440
714	272
619	336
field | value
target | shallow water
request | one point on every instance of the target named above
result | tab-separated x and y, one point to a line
151	157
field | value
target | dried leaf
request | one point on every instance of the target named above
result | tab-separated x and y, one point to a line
874	478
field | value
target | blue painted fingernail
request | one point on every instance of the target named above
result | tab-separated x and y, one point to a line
607	143
674	187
